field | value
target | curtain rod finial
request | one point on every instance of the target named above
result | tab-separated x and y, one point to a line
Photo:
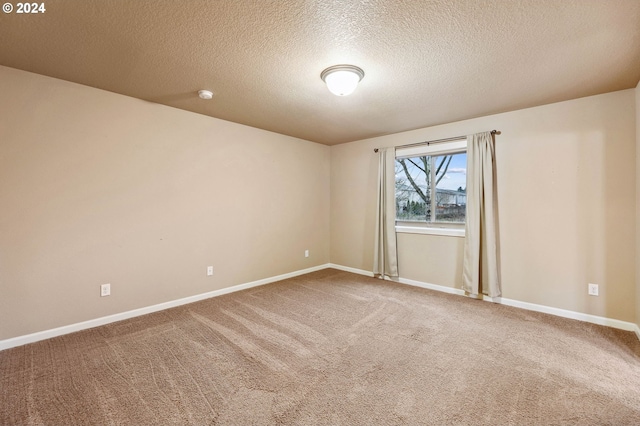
375	150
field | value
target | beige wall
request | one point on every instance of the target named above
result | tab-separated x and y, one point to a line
638	205
101	188
566	193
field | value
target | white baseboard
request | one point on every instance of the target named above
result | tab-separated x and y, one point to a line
429	286
47	334
594	319
349	269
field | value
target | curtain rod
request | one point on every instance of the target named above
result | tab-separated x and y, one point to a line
493	132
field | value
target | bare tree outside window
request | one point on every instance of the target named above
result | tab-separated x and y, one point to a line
431	188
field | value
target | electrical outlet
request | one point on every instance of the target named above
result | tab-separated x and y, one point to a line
209	271
105	290
306	253
593	289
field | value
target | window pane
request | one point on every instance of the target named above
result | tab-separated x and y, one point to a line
444	201
451	187
413	193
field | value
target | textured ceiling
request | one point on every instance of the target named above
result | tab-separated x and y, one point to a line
425	62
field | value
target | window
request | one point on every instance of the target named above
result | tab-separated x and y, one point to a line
431	185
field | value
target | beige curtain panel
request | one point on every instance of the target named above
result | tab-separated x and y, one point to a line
385	261
480	272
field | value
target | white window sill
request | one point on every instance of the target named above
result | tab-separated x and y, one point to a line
449	232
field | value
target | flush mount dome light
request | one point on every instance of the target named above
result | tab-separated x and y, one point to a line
342	80
205	94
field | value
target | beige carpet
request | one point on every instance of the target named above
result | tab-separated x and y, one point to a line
329	348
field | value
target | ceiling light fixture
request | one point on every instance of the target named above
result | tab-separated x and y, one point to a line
205	94
342	80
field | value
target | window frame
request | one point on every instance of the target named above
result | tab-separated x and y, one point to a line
453	229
